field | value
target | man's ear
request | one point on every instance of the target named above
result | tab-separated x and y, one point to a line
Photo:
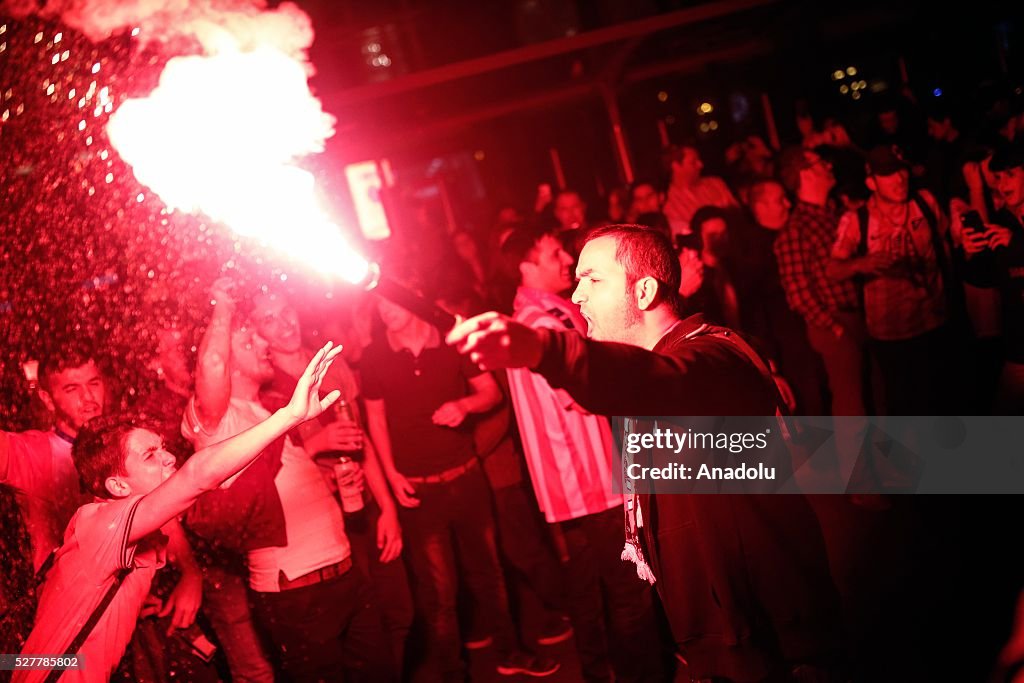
803	178
870	182
47	400
646	292
524	268
117	487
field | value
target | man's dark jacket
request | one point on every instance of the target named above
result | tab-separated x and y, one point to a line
744	579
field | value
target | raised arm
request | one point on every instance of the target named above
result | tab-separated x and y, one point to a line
213	465
213	377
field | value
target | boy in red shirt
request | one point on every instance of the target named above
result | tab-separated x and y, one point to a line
138	491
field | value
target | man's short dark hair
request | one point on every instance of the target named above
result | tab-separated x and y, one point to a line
644	252
1007	157
705	214
792	161
673	154
99	449
756	189
64	356
939	111
518	247
640	182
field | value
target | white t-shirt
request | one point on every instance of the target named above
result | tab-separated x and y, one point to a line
313	520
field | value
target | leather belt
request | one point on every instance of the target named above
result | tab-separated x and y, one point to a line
331	571
446	476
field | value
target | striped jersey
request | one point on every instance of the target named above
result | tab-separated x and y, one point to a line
569	453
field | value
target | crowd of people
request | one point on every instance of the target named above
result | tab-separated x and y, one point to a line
879	279
211	533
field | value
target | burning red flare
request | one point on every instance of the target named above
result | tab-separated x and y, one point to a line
221	135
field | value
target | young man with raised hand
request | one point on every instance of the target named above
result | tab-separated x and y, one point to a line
137	491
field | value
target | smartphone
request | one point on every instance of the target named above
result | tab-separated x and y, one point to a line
971	220
198	642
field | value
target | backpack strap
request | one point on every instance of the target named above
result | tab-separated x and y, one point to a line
863	219
782	414
863	222
755	359
955	305
89	625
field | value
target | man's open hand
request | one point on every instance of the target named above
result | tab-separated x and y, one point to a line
306	402
493	341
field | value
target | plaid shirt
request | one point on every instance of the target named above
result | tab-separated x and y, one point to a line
803	250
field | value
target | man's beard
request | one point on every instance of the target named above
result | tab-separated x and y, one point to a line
632	319
633	315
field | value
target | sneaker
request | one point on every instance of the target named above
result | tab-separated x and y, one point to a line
528	665
555	630
478	642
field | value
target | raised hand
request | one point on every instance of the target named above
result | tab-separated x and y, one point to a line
222	292
306	403
692	273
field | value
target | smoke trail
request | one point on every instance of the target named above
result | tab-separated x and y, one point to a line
215	25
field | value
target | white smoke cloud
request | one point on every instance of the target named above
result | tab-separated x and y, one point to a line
217	25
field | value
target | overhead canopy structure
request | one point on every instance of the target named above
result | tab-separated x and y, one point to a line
393	111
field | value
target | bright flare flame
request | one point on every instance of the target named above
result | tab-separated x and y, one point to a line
221	134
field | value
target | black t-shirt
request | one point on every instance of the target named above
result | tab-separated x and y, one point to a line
412	388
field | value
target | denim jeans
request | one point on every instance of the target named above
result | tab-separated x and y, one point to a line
455	520
328	631
611	609
389	582
525	544
226	605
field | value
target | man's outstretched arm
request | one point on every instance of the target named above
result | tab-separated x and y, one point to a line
605	378
211	466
